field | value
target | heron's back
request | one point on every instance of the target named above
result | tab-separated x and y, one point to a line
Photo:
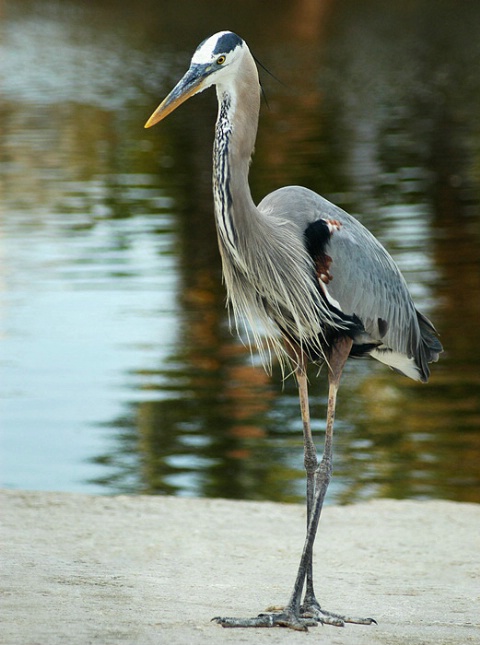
363	280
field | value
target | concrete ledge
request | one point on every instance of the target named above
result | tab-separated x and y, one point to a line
79	569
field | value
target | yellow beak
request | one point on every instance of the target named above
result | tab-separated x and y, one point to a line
190	84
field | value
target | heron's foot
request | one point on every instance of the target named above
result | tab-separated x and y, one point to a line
311	609
310	615
284	618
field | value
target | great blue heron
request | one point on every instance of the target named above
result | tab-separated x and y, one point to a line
312	283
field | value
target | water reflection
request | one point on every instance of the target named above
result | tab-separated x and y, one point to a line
119	372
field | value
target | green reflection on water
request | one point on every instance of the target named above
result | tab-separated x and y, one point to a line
379	113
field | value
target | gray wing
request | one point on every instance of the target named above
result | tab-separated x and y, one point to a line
365	281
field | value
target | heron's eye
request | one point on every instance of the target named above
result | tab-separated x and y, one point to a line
221	60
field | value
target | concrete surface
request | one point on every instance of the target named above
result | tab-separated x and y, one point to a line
84	570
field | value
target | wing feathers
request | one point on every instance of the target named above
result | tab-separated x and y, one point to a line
361	277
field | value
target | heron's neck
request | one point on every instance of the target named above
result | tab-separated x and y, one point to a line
235	134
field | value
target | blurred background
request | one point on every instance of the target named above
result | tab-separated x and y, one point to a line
118	371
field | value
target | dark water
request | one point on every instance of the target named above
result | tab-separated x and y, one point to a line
118	372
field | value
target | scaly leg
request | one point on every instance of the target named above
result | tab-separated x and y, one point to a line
294	615
309	451
311	607
310	461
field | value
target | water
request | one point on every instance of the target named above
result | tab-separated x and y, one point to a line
118	372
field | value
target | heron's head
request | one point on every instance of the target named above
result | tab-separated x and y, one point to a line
214	60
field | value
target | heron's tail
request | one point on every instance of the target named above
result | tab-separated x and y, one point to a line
430	347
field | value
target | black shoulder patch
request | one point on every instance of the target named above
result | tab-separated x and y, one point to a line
382	327
227	43
317	235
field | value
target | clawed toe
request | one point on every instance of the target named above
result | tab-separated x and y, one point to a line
309	616
280	619
313	610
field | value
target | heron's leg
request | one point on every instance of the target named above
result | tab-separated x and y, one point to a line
310	459
323	475
309	450
311	607
294	615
